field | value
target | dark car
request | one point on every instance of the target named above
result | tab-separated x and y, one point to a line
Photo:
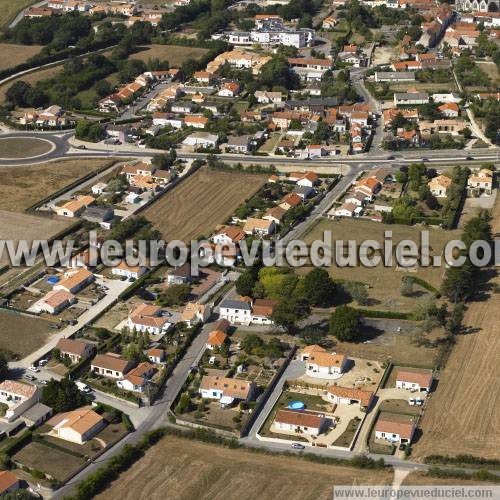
298	446
469	157
82	146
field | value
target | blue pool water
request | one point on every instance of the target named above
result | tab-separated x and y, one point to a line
296	405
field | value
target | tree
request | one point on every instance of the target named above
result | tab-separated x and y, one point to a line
62	395
345	324
277	72
287	313
406	287
245	283
357	291
4	367
174	295
89	131
319	288
454	323
312	335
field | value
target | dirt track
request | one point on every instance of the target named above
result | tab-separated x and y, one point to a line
463	415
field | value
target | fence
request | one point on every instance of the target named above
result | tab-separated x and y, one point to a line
269	390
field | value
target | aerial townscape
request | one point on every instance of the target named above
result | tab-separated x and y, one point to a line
237	123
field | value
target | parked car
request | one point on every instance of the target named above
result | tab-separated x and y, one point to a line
298	446
43	362
33	368
412	402
30	377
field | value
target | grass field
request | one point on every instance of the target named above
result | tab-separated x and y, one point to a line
191	469
11	54
468	386
52	461
201	202
23	148
384	282
422	479
174	54
22	334
9	10
22	186
31	78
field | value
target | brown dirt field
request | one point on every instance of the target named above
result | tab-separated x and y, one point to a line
174	54
31	78
11	54
22	186
23	148
468	386
182	469
384	281
201	202
22	334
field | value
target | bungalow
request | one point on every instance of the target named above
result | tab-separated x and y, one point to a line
410	98
53	302
147	318
395	428
265	97
75	280
227	390
345	210
18	397
229	89
110	365
395	76
349	396
203	77
182	107
75	207
74	350
155	355
99	188
130	272
310	68
239	144
137	379
439	186
291	200
258	226
481	182
329	23
449	109
236	311
262	311
357	198
322	364
196	121
304	421
419	380
228	235
274	214
194	313
201	140
164	119
180	275
9	482
77	426
382	206
216	339
140	168
309	179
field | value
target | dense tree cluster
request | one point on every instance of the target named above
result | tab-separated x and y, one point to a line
62	395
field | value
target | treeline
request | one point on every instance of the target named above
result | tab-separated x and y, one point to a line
462	460
460	282
480	475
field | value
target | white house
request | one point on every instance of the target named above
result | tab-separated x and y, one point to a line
227	390
322	364
110	365
75	280
349	396
345	210
77	426
147	318
439	185
194	313
304	421
18	397
414	380
136	380
53	302
123	269
481	181
99	188
395	428
236	311
201	140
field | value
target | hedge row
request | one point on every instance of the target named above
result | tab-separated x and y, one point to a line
462	460
370	313
16	444
480	475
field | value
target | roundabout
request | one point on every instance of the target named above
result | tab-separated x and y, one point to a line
24	148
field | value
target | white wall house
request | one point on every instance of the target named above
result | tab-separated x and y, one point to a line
304	421
236	311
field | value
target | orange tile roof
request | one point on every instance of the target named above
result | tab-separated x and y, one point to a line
326	359
395	424
75	279
421	377
216	338
304	418
7	480
364	397
264	307
234	388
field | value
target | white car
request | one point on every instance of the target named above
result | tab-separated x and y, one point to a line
33	368
412	402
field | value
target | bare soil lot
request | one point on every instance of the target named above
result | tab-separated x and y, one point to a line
22	334
384	282
190	469
11	54
174	54
467	394
201	202
22	186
